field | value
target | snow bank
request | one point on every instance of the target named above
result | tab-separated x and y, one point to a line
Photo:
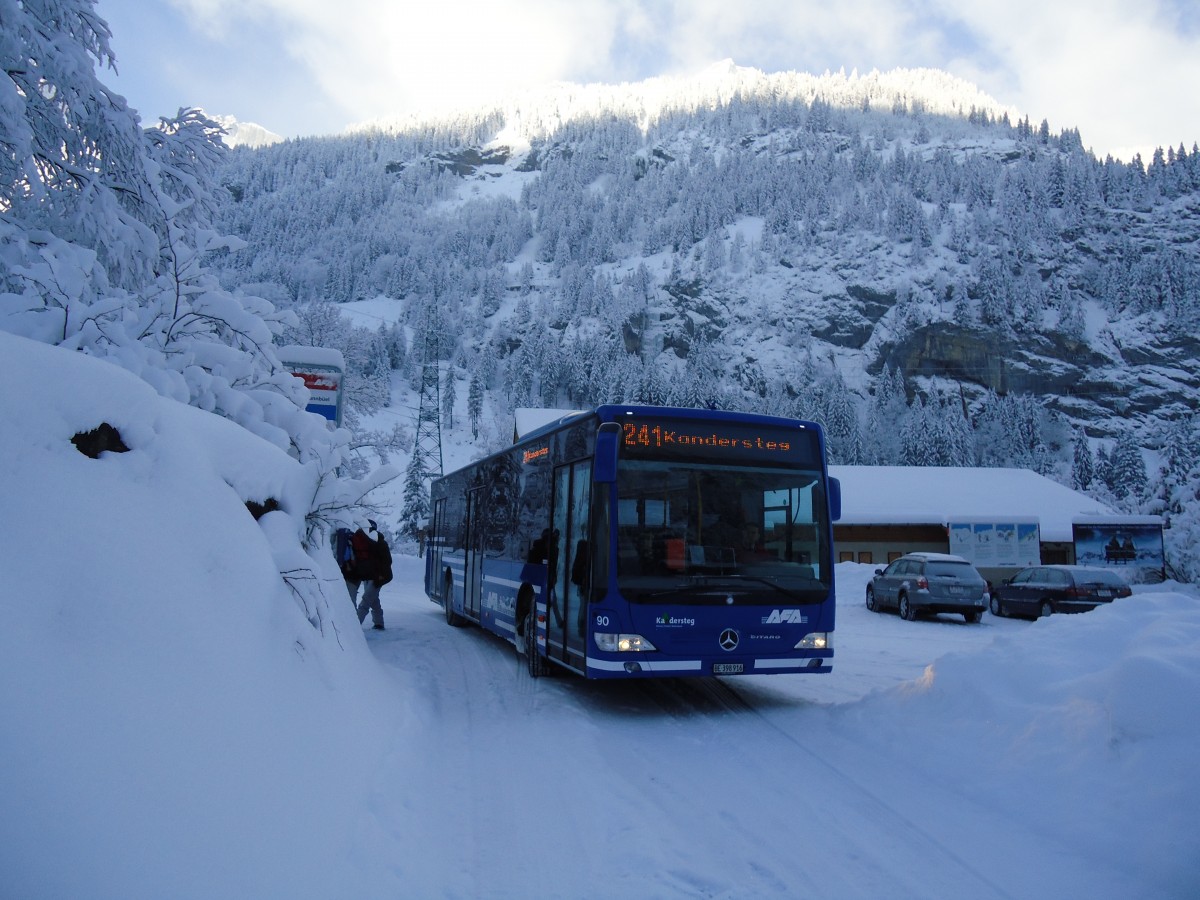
174	715
1082	728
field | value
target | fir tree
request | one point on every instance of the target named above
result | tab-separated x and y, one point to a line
475	404
1127	471
415	512
1083	464
448	397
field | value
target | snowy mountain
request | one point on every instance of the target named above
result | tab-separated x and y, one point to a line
895	255
245	134
847	223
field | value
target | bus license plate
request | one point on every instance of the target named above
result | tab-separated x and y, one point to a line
727	668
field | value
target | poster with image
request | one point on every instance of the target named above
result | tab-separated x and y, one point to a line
1136	549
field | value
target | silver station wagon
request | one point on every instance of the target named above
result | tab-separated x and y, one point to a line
926	583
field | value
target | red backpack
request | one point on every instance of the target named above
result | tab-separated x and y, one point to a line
360	545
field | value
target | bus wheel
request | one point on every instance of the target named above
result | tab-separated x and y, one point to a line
453	619
537	665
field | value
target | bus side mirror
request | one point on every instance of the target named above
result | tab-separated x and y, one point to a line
835	499
608	443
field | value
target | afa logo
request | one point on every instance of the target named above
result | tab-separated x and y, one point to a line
785	617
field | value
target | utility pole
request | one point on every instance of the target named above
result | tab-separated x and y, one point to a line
426	462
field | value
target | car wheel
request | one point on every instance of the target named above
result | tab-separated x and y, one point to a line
973	618
906	611
871	604
1046	611
996	606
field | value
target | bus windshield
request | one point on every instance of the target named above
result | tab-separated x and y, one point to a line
692	532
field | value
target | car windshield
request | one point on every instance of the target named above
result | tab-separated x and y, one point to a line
691	532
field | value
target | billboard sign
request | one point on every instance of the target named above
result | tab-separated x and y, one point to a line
1004	545
1135	548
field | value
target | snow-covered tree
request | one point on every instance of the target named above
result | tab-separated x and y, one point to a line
475	404
886	411
449	396
1083	463
104	234
415	512
1126	474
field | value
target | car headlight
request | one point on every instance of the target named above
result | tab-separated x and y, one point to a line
623	643
817	640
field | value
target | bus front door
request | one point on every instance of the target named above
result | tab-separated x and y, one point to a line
566	615
473	572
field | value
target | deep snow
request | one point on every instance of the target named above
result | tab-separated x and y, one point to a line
177	723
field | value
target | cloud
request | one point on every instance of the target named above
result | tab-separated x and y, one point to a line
1121	73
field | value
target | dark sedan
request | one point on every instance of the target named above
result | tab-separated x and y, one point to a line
1041	591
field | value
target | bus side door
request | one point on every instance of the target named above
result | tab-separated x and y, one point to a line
566	619
473	572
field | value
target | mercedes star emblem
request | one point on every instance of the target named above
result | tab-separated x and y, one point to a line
728	639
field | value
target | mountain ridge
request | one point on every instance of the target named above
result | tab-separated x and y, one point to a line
538	112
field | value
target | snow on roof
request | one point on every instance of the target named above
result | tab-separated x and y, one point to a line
919	495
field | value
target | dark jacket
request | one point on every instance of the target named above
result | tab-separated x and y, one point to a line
381	560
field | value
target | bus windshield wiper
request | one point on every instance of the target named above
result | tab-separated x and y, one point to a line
691	589
758	579
712	584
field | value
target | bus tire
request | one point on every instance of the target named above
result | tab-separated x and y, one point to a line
453	619
533	660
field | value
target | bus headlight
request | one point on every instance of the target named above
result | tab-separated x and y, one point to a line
818	640
623	643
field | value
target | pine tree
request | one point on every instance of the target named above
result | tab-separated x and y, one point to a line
1083	464
475	404
841	422
415	512
448	397
888	408
1127	471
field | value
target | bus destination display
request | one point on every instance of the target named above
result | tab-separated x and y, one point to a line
645	438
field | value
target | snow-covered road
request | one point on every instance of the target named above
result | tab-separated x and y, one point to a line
863	783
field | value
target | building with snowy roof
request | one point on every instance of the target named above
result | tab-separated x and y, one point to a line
1000	519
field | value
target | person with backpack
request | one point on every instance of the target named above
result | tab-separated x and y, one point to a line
367	558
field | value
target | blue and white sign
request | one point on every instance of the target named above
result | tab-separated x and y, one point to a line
323	372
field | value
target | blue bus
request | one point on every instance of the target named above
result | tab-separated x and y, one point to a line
642	542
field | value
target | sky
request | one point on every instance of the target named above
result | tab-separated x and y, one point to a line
178	724
1122	73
